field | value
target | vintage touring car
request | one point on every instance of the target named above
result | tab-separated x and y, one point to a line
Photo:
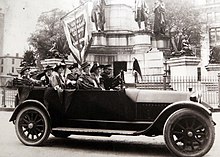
185	123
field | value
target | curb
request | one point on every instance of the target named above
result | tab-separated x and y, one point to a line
216	110
6	109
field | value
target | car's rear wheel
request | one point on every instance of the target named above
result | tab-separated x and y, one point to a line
188	133
32	126
61	134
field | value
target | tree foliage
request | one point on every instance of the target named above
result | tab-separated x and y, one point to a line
183	15
29	59
50	31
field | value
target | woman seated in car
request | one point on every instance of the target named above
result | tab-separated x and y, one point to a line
71	79
57	79
85	80
96	75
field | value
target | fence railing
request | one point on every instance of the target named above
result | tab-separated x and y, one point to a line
207	86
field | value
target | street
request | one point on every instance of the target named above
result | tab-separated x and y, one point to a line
87	146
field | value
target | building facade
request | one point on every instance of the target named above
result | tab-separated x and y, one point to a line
9	65
210	17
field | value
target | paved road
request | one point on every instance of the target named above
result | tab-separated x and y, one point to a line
87	146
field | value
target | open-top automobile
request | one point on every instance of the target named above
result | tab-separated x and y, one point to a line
185	123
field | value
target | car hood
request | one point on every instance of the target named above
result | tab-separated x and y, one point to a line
156	96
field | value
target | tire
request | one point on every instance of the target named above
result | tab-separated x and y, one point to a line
32	126
61	134
188	133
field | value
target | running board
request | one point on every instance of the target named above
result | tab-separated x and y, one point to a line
94	131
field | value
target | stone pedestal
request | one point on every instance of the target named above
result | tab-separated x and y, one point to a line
213	69
184	66
160	42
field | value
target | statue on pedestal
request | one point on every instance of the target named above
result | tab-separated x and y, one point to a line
180	44
159	19
142	13
214	56
98	14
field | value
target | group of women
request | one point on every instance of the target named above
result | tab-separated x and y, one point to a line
98	77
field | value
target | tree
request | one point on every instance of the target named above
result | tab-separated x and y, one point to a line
29	59
49	33
183	17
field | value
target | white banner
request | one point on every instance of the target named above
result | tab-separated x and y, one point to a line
78	29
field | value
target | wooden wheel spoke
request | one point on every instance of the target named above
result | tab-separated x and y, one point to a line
199	127
193	123
178	132
199	142
192	145
181	126
25	120
26	129
35	118
179	139
39	120
39	130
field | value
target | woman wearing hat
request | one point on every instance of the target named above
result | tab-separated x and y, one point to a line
72	77
57	79
46	76
85	81
25	73
96	74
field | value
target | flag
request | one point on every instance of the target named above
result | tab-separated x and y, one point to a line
78	30
136	67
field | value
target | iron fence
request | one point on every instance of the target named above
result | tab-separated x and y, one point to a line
207	86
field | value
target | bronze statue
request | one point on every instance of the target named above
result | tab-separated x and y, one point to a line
159	19
141	13
214	56
180	44
98	14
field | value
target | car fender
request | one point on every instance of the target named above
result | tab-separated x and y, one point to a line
29	102
158	124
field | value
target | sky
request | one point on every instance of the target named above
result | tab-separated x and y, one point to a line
21	19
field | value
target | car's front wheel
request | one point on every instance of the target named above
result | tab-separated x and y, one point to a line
32	126
188	133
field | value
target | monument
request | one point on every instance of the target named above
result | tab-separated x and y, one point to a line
127	34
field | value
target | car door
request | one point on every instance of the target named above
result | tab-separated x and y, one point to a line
99	105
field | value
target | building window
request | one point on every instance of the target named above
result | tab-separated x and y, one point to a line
2	69
214	35
12	69
13	61
2	62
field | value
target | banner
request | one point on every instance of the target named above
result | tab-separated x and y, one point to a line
78	30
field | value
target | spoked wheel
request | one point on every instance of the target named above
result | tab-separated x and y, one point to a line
32	126
188	133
